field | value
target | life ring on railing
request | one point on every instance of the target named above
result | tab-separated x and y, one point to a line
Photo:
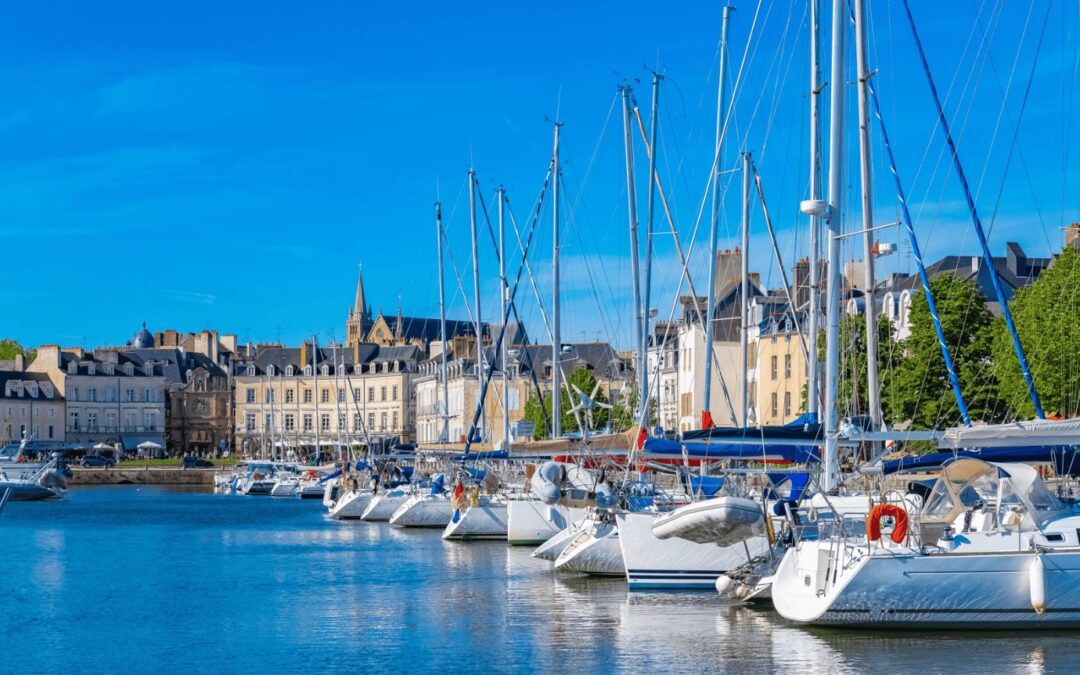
897	513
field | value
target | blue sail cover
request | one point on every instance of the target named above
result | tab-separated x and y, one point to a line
473	456
1064	458
797	441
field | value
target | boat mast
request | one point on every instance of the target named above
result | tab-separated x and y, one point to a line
833	224
556	328
813	396
710	305
631	209
480	360
315	374
744	314
861	58
504	288
444	432
650	209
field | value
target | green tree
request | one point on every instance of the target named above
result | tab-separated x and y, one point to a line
919	388
1047	316
584	379
9	349
852	391
624	414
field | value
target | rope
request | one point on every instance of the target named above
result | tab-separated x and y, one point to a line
987	256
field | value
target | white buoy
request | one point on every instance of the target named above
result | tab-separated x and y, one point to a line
1037	584
724	584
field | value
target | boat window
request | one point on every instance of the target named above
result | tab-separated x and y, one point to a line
1043	503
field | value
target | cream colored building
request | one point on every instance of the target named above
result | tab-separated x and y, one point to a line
30	408
778	372
301	398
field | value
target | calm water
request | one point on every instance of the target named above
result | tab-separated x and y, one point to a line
143	579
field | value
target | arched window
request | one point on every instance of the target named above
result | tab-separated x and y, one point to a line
308	371
325	370
251	370
270	370
290	371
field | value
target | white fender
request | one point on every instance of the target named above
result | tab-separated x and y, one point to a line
1037	584
724	584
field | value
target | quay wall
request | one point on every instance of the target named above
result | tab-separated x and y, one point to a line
141	476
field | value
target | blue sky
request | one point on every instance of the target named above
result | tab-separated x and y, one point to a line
228	165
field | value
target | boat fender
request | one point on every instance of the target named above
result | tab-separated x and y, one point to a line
1037	584
873	522
724	584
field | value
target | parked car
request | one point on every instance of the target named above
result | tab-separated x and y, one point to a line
196	463
97	461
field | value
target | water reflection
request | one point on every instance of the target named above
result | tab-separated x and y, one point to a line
205	582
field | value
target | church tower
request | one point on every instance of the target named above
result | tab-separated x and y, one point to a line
359	323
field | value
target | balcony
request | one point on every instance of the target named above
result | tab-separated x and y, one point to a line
111	429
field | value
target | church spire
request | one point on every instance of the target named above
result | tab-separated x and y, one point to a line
360	310
359	323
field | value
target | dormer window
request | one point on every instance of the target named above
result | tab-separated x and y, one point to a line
307	371
73	368
358	369
91	369
129	369
108	369
47	388
32	389
290	371
326	370
251	370
148	369
270	370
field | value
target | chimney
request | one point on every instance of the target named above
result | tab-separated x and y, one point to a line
214	346
20	362
303	354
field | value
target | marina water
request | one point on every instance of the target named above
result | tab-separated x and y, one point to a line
145	579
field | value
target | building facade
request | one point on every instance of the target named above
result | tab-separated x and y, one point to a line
116	397
309	397
31	408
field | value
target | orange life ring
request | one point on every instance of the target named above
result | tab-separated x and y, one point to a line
873	522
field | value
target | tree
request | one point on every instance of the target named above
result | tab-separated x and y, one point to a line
919	388
1047	317
852	393
9	349
584	379
624	414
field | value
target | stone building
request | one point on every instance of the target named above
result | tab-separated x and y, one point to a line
31	408
313	396
113	396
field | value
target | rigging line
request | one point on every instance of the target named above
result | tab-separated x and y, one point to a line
684	263
917	253
1004	108
780	262
1028	378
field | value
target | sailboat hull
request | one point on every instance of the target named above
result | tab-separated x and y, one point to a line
486	520
595	551
351	505
675	563
532	522
424	511
383	505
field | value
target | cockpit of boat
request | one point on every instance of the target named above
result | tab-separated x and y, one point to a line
971	495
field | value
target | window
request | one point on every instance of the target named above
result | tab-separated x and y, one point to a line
324	396
110	395
371	393
787	366
147	396
395	421
775	412
513	400
772	367
324	423
307	396
250	422
787	404
75	394
358	422
270	370
341	422
50	430
307	371
382	422
92	394
250	395
129	395
307	421
326	370
340	395
250	371
395	392
269	395
290	371
356	395
289	395
382	393
290	422
371	422
150	420
91	421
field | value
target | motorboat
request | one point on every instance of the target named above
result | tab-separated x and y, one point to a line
992	547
